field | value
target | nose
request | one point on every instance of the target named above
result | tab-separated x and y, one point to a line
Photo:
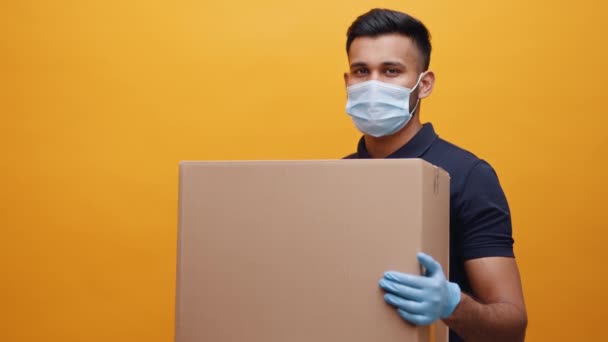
374	76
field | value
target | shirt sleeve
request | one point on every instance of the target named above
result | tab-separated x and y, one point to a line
485	215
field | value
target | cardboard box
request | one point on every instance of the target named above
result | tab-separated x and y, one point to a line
292	251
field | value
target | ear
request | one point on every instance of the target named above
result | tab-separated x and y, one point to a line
427	82
346	79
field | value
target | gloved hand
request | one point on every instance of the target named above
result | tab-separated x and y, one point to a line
421	300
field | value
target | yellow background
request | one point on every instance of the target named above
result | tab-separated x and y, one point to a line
99	100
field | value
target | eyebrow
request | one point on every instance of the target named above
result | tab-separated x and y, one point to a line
387	63
399	64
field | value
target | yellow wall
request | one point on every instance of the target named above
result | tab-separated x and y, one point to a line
99	100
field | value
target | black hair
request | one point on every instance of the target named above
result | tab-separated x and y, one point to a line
380	21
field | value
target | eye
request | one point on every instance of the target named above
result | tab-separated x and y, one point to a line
361	71
392	71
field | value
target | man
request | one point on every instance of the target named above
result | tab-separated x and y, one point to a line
389	55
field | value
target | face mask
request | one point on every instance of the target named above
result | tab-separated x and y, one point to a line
379	108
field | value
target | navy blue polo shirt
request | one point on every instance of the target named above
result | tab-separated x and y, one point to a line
480	221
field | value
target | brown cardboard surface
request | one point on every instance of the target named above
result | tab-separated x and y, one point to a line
277	251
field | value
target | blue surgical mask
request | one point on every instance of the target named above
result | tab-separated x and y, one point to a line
379	108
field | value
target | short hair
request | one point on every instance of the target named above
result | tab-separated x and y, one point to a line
380	21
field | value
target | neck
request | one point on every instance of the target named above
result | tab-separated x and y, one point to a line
383	147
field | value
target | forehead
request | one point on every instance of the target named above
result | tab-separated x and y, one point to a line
388	47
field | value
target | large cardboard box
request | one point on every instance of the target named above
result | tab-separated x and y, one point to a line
292	251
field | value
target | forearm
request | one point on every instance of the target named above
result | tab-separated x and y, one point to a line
496	322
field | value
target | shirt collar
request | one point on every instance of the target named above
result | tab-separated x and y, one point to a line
414	148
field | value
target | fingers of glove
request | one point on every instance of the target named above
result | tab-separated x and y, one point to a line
432	266
410	280
415	318
405	304
403	291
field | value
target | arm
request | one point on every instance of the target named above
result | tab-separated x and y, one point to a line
498	313
495	309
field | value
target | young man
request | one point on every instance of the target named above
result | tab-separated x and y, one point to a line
389	54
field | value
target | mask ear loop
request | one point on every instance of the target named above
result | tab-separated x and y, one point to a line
416	106
418	82
413	89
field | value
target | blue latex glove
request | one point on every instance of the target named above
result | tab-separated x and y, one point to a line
421	300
